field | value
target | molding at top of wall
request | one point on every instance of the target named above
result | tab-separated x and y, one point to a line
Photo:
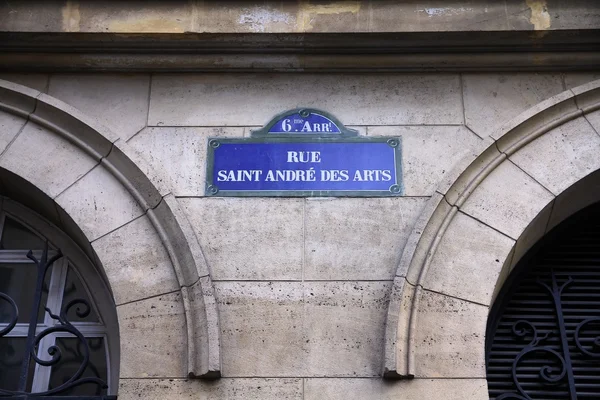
561	50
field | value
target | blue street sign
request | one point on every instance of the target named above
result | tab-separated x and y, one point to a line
304	153
312	123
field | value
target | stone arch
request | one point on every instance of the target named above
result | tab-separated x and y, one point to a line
528	176
99	191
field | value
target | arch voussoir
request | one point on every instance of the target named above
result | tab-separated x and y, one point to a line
130	191
486	214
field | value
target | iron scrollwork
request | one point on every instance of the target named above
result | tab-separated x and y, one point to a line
63	325
549	374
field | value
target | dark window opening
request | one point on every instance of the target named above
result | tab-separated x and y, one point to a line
543	335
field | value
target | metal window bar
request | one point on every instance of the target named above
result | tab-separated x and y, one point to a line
35	338
544	340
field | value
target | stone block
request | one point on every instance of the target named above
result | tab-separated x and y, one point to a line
10	126
85	131
253	99
46	159
507	200
536	229
180	240
504	273
174	17
136	262
486	15
21	17
153	338
202	322
574	79
180	154
134	173
344	325
18	99
449	337
594	120
28	195
464	178
468	260
357	239
263	17
582	194
98	203
416	389
225	388
428	153
492	99
262	328
244	238
70	227
562	156
118	101
424	232
35	81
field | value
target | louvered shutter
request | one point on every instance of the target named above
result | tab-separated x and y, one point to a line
544	343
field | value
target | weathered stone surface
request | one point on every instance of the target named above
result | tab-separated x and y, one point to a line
573	79
357	239
582	194
561	157
147	186
492	99
33	80
458	183
532	234
550	112
153	337
424	232
417	389
450	337
344	327
46	159
202	323
268	16
249	238
262	328
136	262
428	152
22	17
594	120
504	273
174	17
84	130
225	388
392	99
468	260
508	199
288	329
180	154
98	203
10	126
119	101
18	99
297	17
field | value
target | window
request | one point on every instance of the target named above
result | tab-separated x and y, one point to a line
543	338
70	331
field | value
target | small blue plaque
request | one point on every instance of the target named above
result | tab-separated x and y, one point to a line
304	122
304	153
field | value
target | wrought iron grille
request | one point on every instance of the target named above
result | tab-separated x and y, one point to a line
544	340
82	309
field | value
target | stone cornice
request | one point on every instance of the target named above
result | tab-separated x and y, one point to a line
334	52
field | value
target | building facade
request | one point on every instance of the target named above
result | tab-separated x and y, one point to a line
106	112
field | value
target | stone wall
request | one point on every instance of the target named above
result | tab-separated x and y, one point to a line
302	285
181	16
